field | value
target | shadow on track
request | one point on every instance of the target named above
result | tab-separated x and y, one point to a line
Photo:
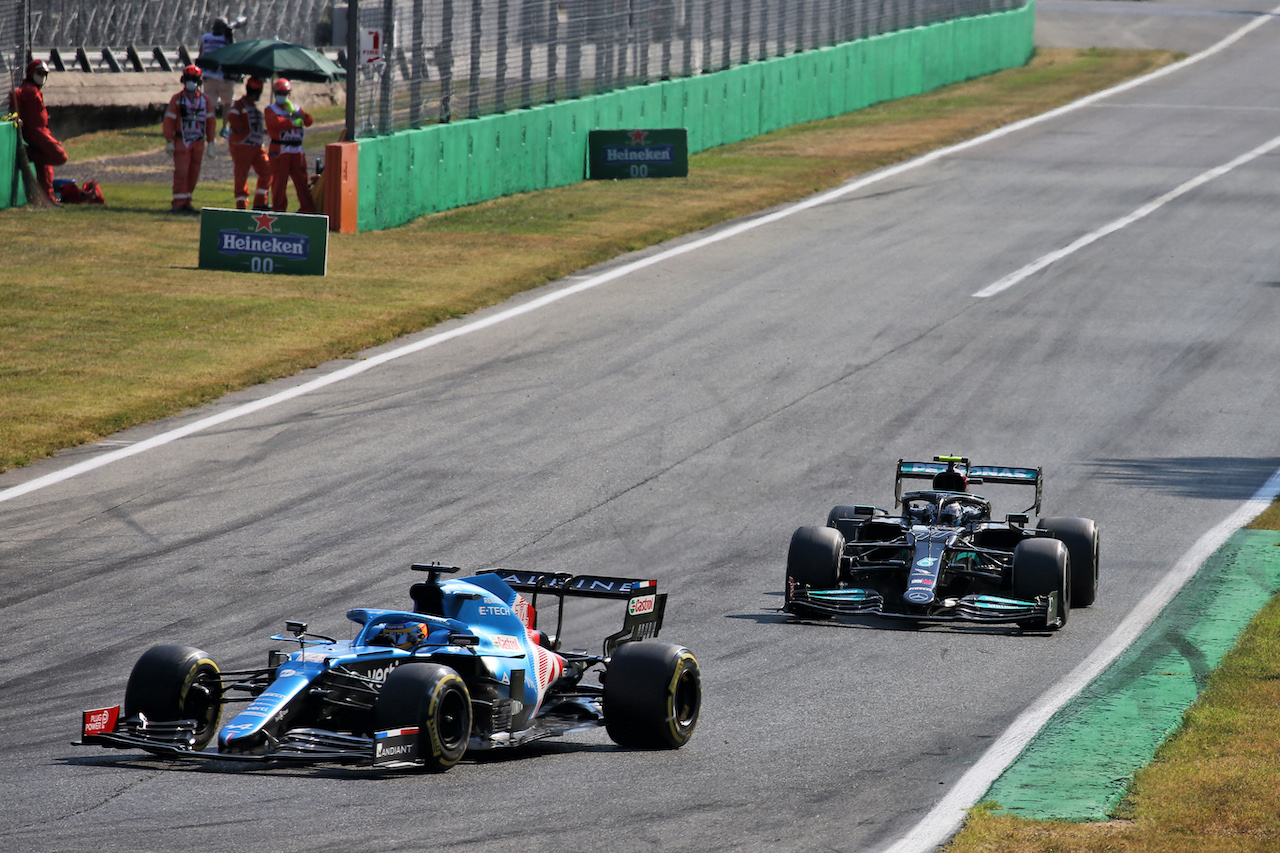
1199	477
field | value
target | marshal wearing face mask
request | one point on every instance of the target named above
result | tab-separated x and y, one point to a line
287	126
189	125
248	132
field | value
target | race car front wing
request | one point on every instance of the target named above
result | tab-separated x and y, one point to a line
971	608
177	738
389	749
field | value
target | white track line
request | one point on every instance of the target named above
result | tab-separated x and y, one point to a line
595	281
1123	222
945	819
948	816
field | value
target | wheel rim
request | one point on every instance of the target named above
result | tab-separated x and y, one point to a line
685	701
201	704
451	720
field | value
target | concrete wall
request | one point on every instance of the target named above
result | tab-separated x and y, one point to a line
415	172
81	103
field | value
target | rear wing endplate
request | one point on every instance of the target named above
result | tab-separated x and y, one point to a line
645	605
974	473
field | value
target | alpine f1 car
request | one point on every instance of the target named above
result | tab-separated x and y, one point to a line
944	558
466	669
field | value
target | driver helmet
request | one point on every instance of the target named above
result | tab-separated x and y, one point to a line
951	514
37	66
402	635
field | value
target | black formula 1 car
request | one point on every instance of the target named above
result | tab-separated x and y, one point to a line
944	558
466	669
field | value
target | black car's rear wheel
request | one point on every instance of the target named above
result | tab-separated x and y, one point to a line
1040	567
1080	535
813	561
173	682
652	695
434	698
846	519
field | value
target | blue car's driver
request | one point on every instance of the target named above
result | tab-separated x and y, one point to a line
402	635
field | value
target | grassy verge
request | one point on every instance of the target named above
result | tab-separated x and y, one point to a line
1213	786
119	326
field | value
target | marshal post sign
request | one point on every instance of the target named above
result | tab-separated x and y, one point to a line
615	154
263	241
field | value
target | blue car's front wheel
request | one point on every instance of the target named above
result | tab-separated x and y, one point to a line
434	698
172	683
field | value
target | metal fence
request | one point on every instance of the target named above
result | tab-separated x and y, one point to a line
442	59
421	61
34	27
57	23
13	42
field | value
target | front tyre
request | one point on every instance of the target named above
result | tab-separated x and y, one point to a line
652	695
434	698
173	682
1041	566
813	562
1080	535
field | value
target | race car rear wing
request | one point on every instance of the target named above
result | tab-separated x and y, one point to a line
645	605
974	473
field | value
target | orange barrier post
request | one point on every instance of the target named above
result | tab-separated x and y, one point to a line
341	186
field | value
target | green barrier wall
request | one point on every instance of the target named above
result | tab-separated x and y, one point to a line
415	172
11	194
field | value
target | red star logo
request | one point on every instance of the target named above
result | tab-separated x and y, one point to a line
637	136
265	221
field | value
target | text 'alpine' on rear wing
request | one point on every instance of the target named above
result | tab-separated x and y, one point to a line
973	473
645	606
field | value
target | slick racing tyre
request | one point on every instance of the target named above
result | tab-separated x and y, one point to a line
813	561
434	698
1080	535
1041	566
652	695
173	682
845	519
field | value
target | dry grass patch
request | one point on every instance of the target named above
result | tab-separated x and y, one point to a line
1268	520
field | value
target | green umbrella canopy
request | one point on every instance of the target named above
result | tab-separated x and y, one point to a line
274	58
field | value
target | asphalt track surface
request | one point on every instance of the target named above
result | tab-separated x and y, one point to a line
679	421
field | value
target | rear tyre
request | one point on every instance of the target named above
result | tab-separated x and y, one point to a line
1080	535
1041	566
813	561
434	698
174	682
845	519
652	695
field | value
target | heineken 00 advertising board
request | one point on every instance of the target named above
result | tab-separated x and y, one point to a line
263	241
614	154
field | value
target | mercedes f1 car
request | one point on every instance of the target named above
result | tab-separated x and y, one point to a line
466	669
944	558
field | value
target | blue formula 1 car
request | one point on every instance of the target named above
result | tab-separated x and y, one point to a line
944	558
466	669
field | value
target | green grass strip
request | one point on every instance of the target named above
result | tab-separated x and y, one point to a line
1079	767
